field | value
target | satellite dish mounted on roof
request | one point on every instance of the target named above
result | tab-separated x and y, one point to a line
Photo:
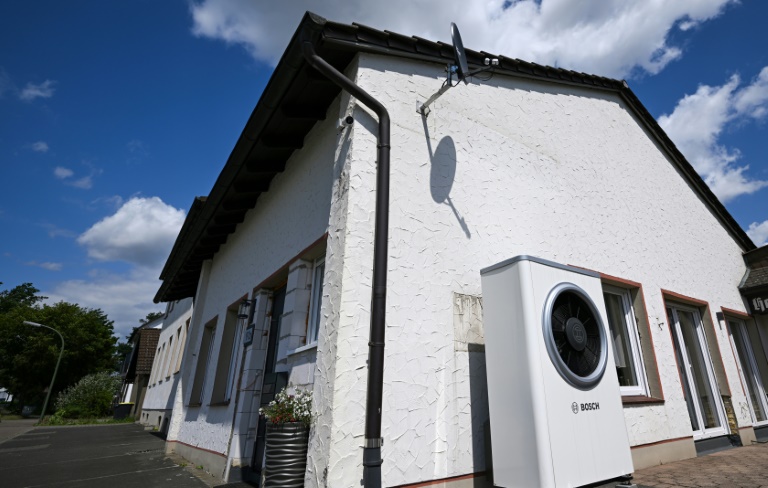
460	56
460	68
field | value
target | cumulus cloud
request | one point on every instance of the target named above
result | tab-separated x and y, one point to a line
698	121
758	232
607	37
125	298
39	90
141	232
62	173
39	146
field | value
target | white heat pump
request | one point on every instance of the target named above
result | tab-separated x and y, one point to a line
554	400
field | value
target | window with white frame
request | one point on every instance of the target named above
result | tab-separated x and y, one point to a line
625	341
318	275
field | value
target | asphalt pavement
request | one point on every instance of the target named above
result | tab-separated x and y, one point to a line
117	456
126	455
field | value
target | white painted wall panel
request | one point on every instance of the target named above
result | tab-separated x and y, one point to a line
288	218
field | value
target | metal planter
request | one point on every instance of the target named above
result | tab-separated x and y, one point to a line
286	455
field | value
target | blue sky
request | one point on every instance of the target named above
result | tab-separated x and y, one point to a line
115	115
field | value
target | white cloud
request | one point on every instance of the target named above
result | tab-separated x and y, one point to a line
47	265
40	90
86	182
62	173
758	232
124	298
699	119
607	37
141	232
40	146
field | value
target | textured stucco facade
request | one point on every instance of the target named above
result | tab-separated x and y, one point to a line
499	168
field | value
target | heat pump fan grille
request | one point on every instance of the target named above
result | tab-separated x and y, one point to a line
575	336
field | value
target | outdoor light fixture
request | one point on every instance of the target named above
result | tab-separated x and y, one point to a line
56	370
245	308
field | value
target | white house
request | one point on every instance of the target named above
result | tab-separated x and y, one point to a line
531	160
164	377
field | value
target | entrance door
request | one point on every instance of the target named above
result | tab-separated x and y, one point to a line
273	381
758	403
696	373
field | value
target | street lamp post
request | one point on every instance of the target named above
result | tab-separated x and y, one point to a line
48	395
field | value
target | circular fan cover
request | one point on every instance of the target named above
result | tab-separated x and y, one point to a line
575	336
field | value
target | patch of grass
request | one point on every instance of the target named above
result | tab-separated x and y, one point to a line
199	466
56	420
11	416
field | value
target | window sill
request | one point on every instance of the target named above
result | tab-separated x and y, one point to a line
194	405
311	345
641	400
219	404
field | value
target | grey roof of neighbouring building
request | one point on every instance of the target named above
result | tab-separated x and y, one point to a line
756	277
297	97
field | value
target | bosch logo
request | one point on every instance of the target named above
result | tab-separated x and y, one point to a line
578	334
577	407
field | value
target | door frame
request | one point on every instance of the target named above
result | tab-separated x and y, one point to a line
686	368
736	324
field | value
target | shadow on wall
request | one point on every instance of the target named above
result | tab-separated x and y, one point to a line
442	173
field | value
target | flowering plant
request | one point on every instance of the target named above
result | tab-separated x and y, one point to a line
289	408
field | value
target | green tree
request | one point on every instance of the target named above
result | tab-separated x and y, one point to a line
150	317
28	354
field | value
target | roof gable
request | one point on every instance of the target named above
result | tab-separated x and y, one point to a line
297	96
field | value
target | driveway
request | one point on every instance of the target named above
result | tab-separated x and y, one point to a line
122	455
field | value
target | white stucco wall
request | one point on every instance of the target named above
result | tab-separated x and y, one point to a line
500	168
291	216
161	391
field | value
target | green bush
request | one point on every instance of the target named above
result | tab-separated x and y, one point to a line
88	398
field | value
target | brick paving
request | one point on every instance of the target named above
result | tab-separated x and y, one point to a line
739	467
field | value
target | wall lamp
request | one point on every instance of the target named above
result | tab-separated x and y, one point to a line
244	311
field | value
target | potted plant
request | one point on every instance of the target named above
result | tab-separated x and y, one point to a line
288	419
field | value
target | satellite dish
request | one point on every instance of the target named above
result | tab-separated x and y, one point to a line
459	53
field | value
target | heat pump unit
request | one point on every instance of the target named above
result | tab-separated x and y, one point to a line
554	400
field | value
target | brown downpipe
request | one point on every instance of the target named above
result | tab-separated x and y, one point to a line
372	449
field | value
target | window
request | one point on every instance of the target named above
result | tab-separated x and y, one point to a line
227	361
169	358
697	374
318	275
203	358
625	341
181	343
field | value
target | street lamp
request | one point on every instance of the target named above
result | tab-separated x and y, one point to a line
48	395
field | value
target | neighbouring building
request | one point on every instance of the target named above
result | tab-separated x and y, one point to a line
138	365
164	378
531	159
